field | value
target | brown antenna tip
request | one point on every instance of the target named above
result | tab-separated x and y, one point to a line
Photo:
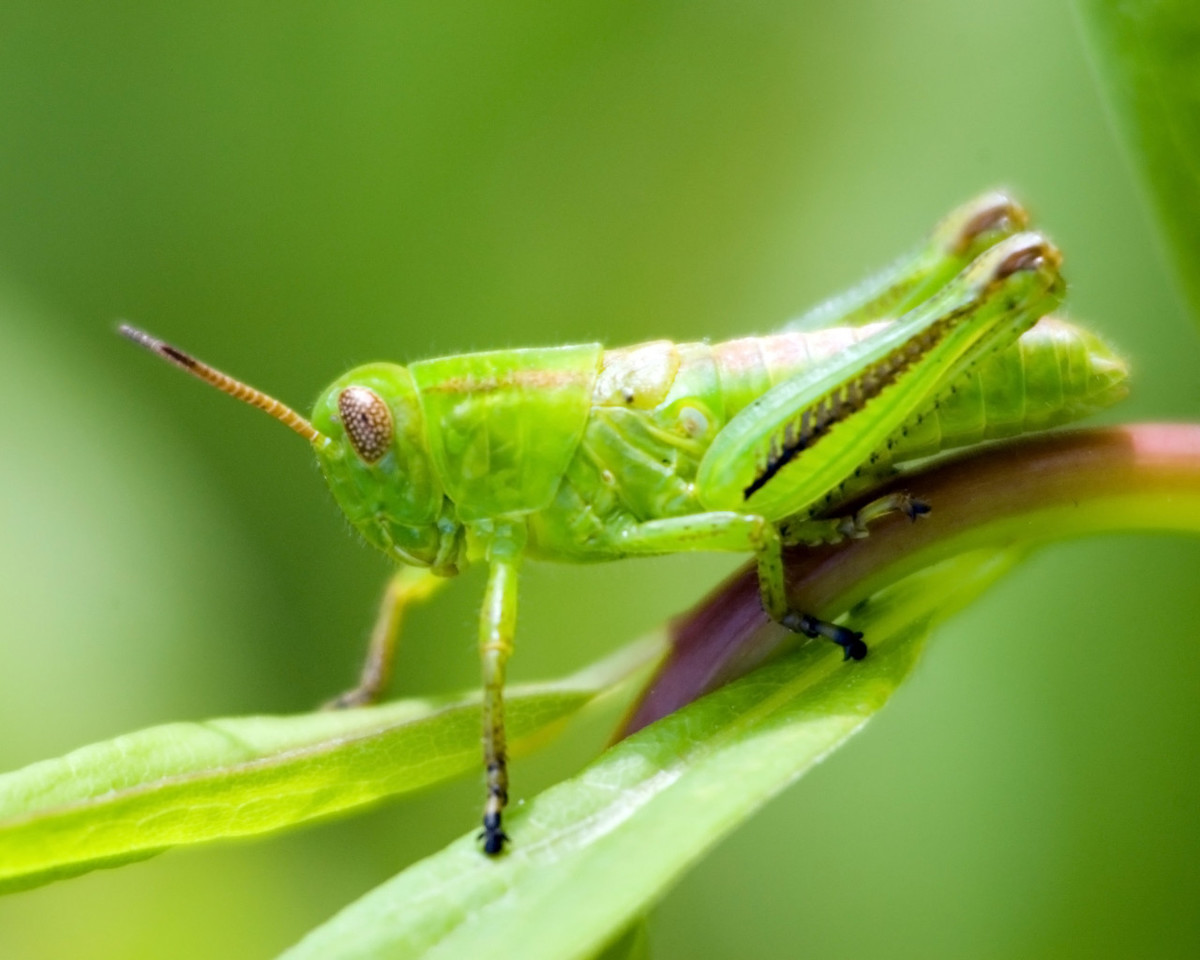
225	383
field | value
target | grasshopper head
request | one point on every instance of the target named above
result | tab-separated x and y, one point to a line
377	462
368	434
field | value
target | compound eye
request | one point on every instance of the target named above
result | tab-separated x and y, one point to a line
367	420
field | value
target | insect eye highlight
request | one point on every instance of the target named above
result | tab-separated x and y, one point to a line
367	420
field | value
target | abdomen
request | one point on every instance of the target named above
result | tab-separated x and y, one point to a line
656	407
1054	374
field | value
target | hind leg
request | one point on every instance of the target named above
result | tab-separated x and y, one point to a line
740	533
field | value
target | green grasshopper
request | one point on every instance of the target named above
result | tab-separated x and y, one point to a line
578	454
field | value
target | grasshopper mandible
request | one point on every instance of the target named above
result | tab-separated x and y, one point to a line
579	454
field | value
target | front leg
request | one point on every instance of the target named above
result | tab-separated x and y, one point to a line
497	626
408	585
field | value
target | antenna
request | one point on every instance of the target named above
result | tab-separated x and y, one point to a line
226	384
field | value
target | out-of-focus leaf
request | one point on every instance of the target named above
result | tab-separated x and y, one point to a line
131	797
1147	53
596	851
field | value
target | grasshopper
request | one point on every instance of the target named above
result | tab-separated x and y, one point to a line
579	454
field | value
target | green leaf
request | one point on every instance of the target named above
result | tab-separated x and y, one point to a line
132	797
1147	54
633	944
590	854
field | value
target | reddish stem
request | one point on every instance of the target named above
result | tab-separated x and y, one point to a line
1025	492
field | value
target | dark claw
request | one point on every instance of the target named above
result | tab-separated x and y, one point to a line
850	641
492	836
916	508
853	647
493	841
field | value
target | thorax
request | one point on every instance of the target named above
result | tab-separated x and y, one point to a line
656	408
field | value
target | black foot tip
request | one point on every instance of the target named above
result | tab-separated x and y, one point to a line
493	842
492	836
916	508
853	647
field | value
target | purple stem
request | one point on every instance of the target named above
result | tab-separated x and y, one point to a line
1024	492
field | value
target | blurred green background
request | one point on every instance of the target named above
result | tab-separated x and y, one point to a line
289	190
